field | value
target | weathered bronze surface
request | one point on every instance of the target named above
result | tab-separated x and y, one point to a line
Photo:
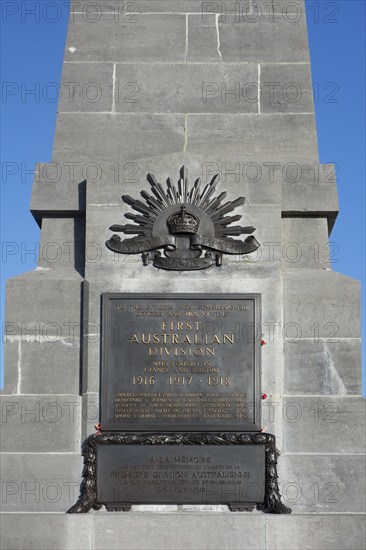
125	468
180	362
178	474
181	228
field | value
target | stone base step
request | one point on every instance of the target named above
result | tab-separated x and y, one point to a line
182	530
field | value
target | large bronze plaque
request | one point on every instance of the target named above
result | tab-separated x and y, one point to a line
180	362
180	474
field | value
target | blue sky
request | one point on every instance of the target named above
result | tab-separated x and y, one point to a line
32	55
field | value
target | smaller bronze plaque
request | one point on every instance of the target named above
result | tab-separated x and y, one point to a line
180	474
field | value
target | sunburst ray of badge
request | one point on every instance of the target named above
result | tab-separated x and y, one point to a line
201	196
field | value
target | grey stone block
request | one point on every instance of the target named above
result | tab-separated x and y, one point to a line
58	188
256	39
320	304
305	243
42	307
252	135
108	139
141	531
291	10
138	7
91	361
307	189
310	189
89	6
322	483
244	7
50	367
319	531
313	175
40	423
99	220
266	219
286	89
42	532
259	182
62	244
107	278
86	87
40	482
323	367
11	360
231	278
202	40
90	414
161	6
174	532
321	424
179	88
136	38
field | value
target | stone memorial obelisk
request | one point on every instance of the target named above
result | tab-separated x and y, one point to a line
224	90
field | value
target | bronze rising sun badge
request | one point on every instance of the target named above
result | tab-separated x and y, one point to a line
182	228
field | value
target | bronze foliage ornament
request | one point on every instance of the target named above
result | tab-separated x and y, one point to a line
88	496
182	228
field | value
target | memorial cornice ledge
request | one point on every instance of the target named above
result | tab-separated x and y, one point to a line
312	194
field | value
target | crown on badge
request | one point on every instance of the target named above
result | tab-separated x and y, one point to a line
183	223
